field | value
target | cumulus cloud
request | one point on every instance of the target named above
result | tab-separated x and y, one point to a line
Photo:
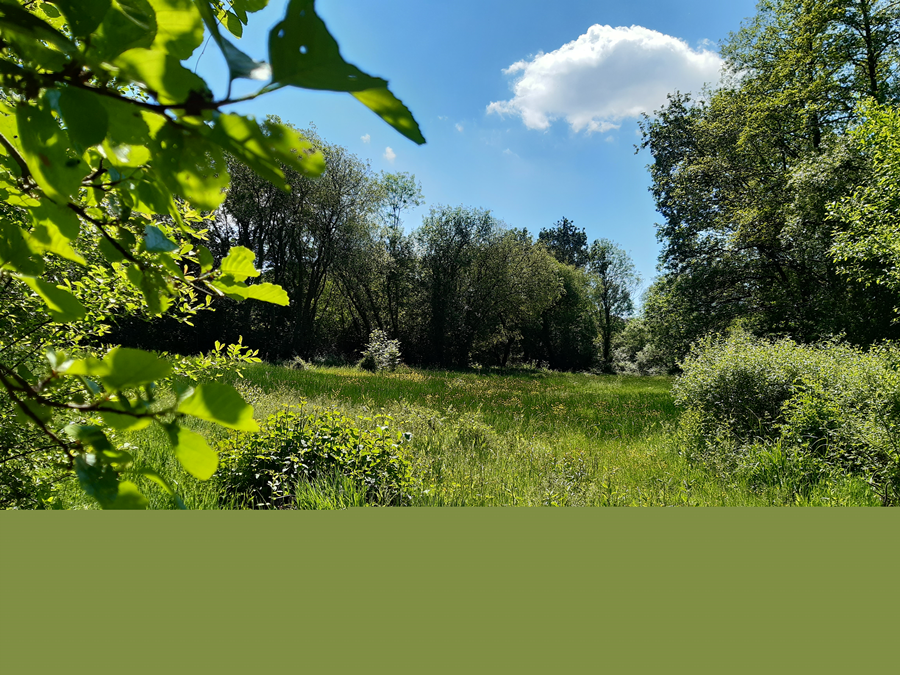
605	76
459	127
366	138
389	154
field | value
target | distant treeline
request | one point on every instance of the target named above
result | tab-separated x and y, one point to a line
461	289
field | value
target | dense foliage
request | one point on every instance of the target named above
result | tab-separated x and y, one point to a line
112	154
265	470
746	175
781	411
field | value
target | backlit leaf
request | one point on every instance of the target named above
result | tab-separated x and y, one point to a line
128	24
47	150
123	368
239	263
85	116
179	27
54	230
192	167
193	452
263	292
162	75
129	498
83	16
222	404
304	54
62	305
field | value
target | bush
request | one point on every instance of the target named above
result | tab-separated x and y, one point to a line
296	447
381	353
815	411
297	363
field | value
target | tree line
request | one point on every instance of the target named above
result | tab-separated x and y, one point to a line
463	288
772	186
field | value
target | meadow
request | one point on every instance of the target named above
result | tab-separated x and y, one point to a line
511	438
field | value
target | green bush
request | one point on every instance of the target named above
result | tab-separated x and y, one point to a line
381	353
296	447
777	410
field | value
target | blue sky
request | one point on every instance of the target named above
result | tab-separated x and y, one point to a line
529	108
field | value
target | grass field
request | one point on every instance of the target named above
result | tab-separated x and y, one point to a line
521	438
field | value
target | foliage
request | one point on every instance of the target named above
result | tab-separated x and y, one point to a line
297	446
816	409
614	279
566	242
867	246
743	176
381	353
110	153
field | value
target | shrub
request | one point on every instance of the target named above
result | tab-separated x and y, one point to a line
805	412
381	353
297	363
297	447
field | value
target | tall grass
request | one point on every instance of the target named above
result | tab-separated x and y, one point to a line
520	438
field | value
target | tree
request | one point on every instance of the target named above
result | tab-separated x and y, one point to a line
112	151
614	279
566	242
302	239
867	248
744	178
449	239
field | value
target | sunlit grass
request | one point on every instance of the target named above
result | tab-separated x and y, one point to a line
480	439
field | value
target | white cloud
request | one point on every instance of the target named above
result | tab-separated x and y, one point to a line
366	138
605	76
389	154
459	127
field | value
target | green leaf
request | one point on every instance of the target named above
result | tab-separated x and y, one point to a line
163	76
128	24
206	259
129	133
123	422
110	252
129	498
83	16
54	228
179	27
304	54
193	452
239	64
156	242
85	116
239	263
123	368
192	167
63	306
15	20
97	478
46	149
266	152
389	108
15	253
222	404
27	411
89	435
266	292
234	25
249	6
153	476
